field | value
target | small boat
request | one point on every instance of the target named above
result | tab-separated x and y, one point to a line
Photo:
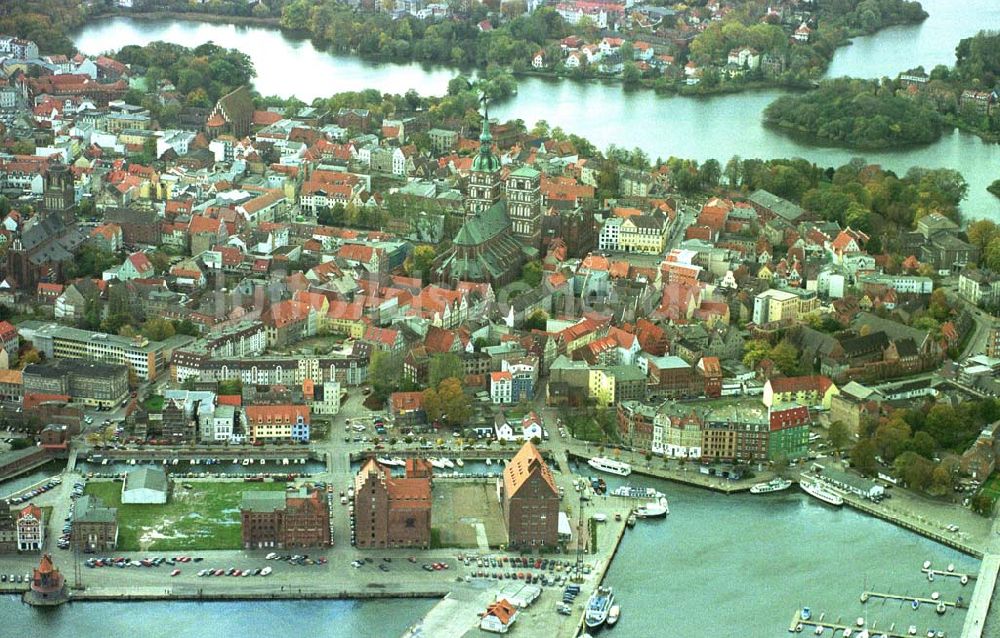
930	577
459	462
927	564
941	608
397	461
489	462
446	462
774	485
655	509
819	630
860	622
935	595
613	615
610	466
864	634
630	521
848	632
599	606
915	604
930	633
436	463
912	631
817	491
951	567
806	613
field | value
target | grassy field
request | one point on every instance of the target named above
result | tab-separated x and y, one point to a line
992	486
206	516
460	507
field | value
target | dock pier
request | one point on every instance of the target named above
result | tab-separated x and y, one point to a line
923	600
964	578
798	625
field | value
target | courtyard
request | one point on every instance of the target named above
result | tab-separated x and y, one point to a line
198	515
467	515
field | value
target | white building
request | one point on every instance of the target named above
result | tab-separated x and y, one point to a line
610	234
501	387
145	485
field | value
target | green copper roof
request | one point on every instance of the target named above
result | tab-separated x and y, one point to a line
486	162
525	171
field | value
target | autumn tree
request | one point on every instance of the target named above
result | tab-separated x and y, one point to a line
863	457
444	366
839	435
158	329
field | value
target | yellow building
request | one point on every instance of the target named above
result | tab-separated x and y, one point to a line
643	234
786	306
601	387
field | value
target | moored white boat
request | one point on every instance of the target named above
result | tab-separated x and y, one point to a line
628	491
448	463
610	466
459	462
774	485
613	615
436	463
653	509
818	491
599	606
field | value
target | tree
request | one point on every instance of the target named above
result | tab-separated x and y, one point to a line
384	371
444	366
537	320
158	329
786	357
982	504
753	351
915	470
631	74
839	435
981	232
30	356
419	263
531	273
863	457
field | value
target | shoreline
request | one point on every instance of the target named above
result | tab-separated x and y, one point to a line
187	16
725	486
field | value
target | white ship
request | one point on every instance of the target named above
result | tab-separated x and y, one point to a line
818	491
436	463
598	607
627	491
654	509
774	485
610	466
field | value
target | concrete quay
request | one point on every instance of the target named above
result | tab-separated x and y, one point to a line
982	612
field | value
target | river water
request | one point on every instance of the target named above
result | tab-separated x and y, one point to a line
719	565
699	128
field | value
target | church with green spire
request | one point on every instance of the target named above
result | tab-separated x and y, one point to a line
491	247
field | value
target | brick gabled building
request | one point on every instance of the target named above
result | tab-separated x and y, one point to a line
280	519
392	512
530	500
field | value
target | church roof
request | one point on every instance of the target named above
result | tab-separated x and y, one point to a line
483	226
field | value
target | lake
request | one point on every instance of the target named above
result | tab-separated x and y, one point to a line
698	128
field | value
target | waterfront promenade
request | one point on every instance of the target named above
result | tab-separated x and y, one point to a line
982	611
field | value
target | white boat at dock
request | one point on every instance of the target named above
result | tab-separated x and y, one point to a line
489	462
599	606
436	463
653	509
774	485
448	463
818	491
613	615
459	462
628	491
610	466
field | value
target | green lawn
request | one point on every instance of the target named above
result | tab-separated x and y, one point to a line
992	486
206	516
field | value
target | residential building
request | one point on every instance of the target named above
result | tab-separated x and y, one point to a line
392	512
147	359
30	528
282	519
277	423
91	383
501	387
980	287
816	390
530	500
95	526
643	234
783	306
